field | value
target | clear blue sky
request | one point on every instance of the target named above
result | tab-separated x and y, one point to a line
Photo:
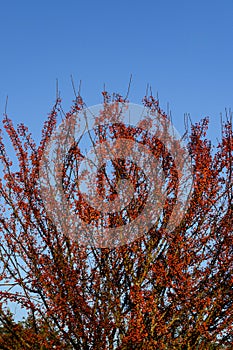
184	49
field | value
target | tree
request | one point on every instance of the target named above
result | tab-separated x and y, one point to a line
166	289
26	335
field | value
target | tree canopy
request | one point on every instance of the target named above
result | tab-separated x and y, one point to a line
166	289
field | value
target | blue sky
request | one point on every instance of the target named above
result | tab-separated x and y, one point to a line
183	49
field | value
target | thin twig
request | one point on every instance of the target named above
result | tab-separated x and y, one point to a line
5	111
130	81
73	86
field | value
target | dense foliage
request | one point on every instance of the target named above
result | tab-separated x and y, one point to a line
164	290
